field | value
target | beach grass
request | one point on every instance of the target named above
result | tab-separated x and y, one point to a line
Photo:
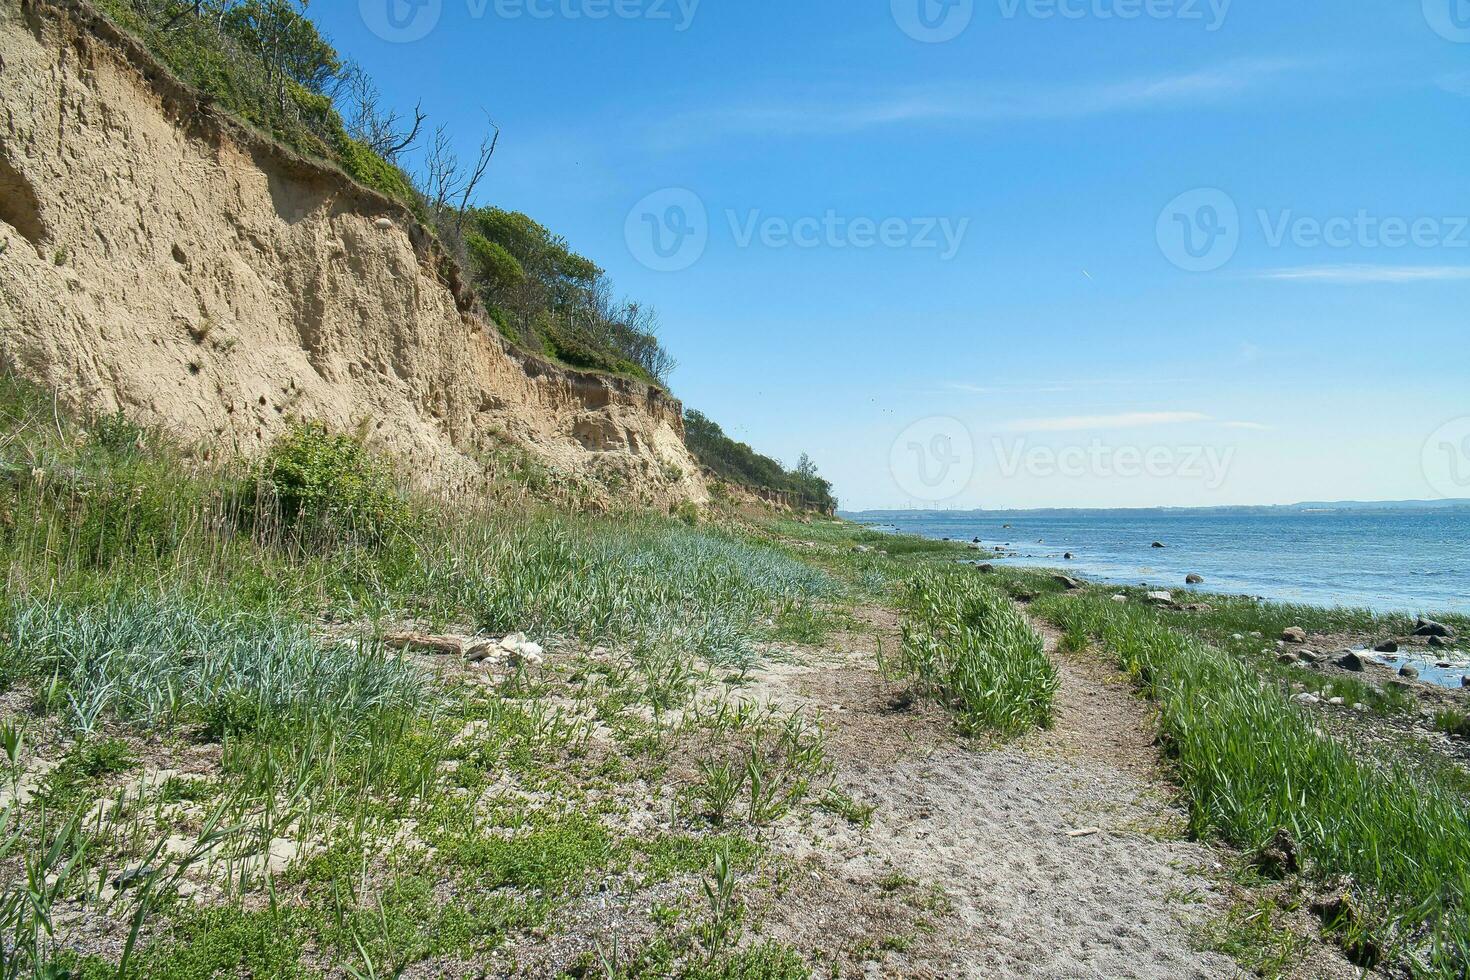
1254	765
156	605
968	646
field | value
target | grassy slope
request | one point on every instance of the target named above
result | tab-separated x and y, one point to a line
150	615
148	618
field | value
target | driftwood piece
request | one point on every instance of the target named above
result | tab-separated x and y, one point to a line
426	643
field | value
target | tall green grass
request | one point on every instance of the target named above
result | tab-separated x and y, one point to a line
1254	764
320	528
646	582
969	646
152	661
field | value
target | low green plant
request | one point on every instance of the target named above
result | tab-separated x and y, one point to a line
27	904
75	781
117	435
723	920
719	788
154	661
1254	934
843	805
967	645
326	486
1453	722
1253	765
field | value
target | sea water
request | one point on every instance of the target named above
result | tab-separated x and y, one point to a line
1387	561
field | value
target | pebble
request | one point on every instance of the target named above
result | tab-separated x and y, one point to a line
1307	698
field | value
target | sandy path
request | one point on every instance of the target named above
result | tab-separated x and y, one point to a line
990	827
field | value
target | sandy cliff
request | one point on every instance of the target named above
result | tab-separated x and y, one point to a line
157	257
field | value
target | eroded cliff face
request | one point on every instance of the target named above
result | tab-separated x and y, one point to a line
159	258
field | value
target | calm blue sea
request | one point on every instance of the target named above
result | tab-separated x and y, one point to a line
1389	561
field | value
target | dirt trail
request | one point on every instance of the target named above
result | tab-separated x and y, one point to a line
1059	855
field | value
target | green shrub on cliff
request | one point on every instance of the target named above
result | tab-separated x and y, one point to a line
737	463
265	62
548	297
324	484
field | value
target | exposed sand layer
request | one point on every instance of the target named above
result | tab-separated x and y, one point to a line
157	257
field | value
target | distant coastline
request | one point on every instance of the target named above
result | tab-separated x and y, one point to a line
1248	510
1397	556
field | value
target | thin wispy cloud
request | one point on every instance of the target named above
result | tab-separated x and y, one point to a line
828	113
969	389
1083	423
1057	387
1350	275
1456	83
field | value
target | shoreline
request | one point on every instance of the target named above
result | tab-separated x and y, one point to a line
1363	567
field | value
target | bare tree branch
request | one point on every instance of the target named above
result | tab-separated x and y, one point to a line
477	173
419	116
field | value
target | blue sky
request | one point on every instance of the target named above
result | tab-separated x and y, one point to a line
1070	253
